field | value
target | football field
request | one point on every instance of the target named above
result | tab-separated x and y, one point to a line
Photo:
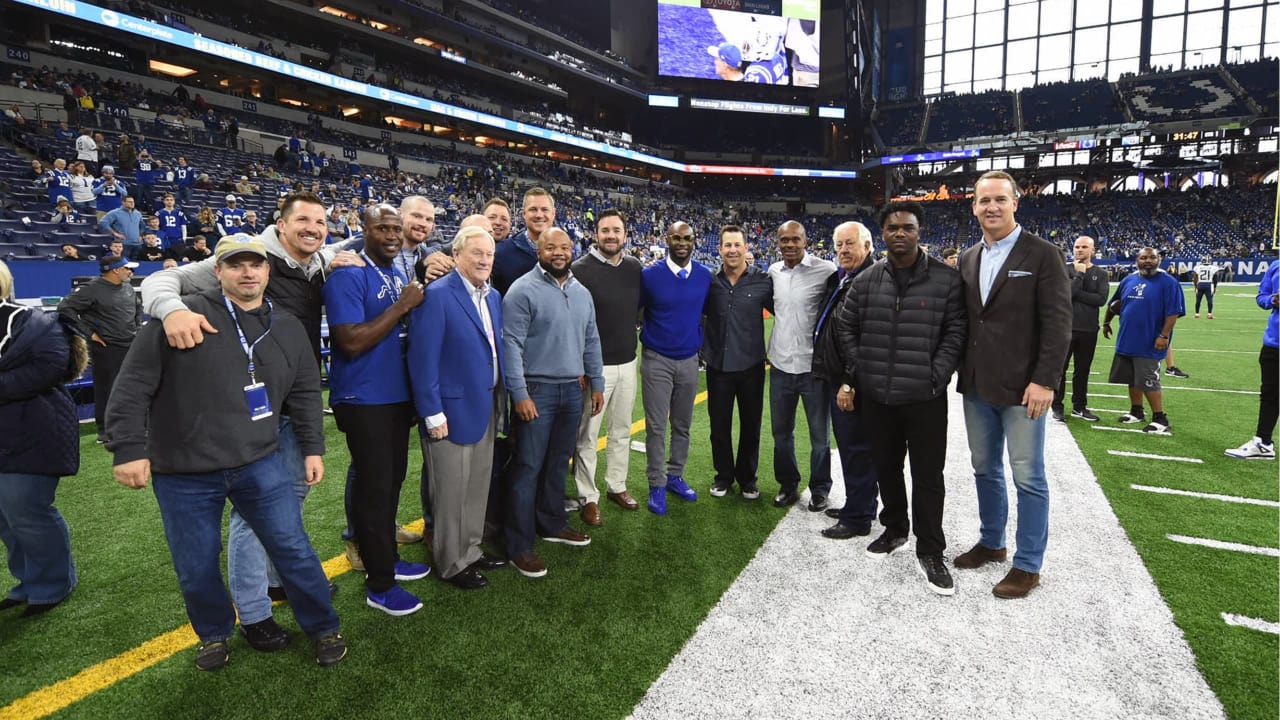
732	608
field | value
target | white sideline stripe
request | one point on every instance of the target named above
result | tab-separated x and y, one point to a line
1243	621
1207	496
780	633
1223	545
1149	456
1183	387
1111	429
1182	350
1126	397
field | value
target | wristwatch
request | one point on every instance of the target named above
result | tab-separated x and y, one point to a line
846	388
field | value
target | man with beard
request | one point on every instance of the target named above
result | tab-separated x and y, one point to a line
368	310
517	256
1148	302
673	293
551	354
613	279
499	214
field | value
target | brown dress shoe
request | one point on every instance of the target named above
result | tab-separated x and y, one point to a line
529	565
569	536
624	500
978	556
1016	584
591	514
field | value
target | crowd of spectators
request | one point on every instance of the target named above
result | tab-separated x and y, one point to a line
966	116
1084	103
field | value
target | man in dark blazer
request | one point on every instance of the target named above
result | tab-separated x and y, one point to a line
1019	304
455	368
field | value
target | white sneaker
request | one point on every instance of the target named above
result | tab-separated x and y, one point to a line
1130	418
1255	449
1158	428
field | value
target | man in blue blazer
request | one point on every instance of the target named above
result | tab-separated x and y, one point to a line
455	367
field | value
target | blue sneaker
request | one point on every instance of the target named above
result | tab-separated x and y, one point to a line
677	485
397	601
406	570
658	500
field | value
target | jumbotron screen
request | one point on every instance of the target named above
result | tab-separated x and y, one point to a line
772	42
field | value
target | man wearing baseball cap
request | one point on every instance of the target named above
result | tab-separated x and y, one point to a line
106	313
728	60
241	385
108	192
230	218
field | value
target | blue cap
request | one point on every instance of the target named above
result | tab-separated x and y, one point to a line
728	52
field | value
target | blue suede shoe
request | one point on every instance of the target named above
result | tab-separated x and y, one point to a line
677	485
406	570
658	500
397	601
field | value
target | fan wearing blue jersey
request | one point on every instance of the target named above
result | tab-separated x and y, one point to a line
184	176
229	218
1148	302
173	225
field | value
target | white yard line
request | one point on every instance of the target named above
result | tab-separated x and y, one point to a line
1116	429
1183	387
1199	350
1265	626
1223	545
1150	456
1207	496
814	629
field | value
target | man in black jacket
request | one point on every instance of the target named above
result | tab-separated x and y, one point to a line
853	254
902	332
229	392
1089	291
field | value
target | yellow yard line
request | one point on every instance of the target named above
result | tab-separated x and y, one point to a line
64	693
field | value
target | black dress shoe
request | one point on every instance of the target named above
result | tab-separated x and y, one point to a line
488	562
817	503
7	603
468	580
844	532
786	497
833	513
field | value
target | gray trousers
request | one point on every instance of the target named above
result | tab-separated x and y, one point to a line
669	387
459	494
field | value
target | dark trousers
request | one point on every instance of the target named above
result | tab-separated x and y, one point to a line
535	490
853	440
106	366
746	387
1269	402
1204	291
921	430
378	438
1083	346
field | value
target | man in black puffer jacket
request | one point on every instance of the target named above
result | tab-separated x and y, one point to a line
902	331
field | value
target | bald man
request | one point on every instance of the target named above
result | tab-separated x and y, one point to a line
1089	290
799	287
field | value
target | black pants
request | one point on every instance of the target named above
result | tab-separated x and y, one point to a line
853	440
1203	291
1269	402
746	387
378	438
921	430
106	366
1083	346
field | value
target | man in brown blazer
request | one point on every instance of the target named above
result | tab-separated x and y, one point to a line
1019	302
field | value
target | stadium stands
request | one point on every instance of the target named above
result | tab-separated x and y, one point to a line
1185	95
966	116
1259	80
1088	103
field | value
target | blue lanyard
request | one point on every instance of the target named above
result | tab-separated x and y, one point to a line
387	282
248	349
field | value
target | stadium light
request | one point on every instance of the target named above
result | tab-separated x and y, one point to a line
170	69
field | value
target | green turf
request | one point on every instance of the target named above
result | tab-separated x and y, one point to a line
1200	583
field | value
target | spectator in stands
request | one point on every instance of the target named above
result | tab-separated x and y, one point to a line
64	214
70	252
1261	446
250	226
151	250
244	187
198	251
87	151
173	225
105	313
108	191
1089	288
799	280
115	247
519	255
64	133
145	177
184	176
38	423
58	181
231	217
206	224
125	224
672	294
1149	303
336	223
82	189
151	425
353	230
951	256
499	214
551	352
126	154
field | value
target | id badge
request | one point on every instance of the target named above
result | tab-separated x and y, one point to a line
259	403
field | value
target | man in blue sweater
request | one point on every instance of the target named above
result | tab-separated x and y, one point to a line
672	295
125	224
552	352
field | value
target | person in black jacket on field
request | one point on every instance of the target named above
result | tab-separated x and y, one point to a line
853	439
902	331
1089	292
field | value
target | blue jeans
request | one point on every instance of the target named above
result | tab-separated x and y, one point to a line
191	506
988	427
184	194
785	392
36	537
535	494
853	440
248	568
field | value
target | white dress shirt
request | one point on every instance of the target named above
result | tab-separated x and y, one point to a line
798	294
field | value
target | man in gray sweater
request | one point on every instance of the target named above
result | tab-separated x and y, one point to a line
552	351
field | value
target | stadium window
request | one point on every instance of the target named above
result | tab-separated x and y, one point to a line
985	5
1244	28
1063	186
989	28
1023	20
1168	7
1193	5
1124	10
1022	56
1055	16
1116	68
932	83
1018	82
1016	162
1272	36
988	64
1125	39
1091	47
959	33
956	8
958	68
1135	182
1055	52
933	11
1091	12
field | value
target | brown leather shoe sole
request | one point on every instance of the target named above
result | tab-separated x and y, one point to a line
591	515
624	500
1017	584
978	556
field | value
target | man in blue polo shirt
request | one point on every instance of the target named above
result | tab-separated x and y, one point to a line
368	310
1148	302
672	294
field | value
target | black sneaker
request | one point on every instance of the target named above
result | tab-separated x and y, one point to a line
885	545
265	636
1084	414
935	572
750	492
213	655
1058	414
720	488
1174	371
330	649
